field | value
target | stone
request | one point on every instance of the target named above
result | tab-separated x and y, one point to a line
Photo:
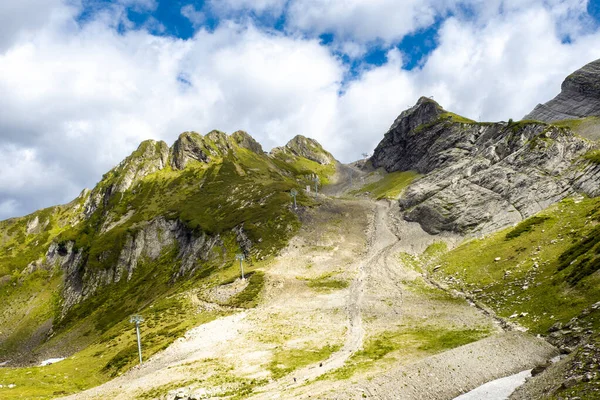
146	242
557	326
190	146
308	148
481	177
538	369
579	97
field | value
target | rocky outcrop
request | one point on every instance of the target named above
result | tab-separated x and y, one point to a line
193	146
308	148
151	156
481	177
220	141
246	141
404	137
145	245
189	146
579	97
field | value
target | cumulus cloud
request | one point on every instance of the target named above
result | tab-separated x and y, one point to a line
194	16
76	96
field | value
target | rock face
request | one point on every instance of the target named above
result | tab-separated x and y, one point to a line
146	244
151	156
189	146
246	141
308	148
404	137
579	97
482	176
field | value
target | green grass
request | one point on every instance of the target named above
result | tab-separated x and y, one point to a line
110	355
456	118
250	296
390	186
287	360
407	340
547	265
525	226
326	282
593	156
576	123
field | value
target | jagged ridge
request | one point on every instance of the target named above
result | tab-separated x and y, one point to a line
482	176
162	217
579	97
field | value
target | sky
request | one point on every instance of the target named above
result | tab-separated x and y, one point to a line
83	82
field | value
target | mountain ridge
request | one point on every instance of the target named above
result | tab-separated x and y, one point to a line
579	97
482	176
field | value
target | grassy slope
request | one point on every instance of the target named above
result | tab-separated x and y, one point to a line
243	187
547	265
390	186
541	272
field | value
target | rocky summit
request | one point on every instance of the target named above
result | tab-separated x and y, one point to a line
480	177
579	97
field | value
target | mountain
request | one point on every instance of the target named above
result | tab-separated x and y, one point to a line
162	218
480	177
482	261
579	97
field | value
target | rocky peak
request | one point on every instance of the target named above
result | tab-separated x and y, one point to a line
243	139
405	143
579	97
189	146
482	176
424	111
220	141
308	148
150	156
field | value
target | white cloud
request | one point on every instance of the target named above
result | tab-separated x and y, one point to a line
196	17
77	98
227	7
362	20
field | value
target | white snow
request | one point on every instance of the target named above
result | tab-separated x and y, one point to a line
50	361
498	389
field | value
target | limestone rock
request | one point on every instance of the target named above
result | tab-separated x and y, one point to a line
481	176
246	141
403	137
308	148
151	156
579	97
220	140
189	146
147	243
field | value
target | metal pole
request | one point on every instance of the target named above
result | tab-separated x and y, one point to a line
137	330
295	207
242	269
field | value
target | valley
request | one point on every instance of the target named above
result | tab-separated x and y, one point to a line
458	253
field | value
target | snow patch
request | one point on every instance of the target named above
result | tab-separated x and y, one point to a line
498	389
50	361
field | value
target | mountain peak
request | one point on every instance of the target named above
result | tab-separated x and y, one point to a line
425	110
310	149
243	139
149	157
189	146
579	97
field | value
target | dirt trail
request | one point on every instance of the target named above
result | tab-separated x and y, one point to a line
381	242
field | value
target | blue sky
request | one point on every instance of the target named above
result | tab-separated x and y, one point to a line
83	82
